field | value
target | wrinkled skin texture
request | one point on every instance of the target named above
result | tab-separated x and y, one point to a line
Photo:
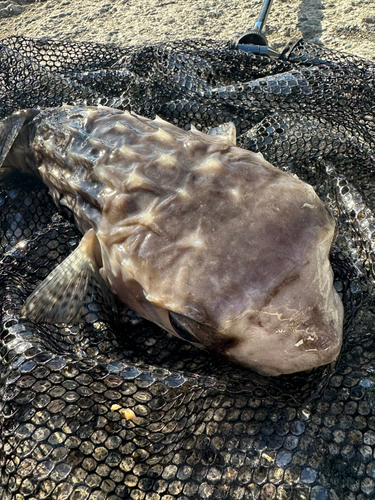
202	428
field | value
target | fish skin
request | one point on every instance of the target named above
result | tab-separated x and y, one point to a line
259	235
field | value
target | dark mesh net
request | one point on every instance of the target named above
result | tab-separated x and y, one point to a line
200	428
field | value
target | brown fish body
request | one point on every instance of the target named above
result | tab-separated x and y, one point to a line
207	240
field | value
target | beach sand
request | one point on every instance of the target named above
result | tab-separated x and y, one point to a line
345	25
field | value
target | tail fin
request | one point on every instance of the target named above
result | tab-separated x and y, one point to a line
11	129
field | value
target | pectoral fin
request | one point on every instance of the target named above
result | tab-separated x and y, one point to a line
61	296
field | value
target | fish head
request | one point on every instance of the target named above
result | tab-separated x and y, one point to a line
296	325
237	264
278	315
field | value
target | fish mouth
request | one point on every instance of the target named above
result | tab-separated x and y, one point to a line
282	352
273	345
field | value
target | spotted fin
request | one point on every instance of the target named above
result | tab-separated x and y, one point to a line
228	130
61	296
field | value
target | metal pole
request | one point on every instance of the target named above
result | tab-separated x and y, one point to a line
262	18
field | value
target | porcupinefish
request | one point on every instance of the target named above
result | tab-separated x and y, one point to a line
207	240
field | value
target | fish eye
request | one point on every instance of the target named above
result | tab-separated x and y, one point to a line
183	326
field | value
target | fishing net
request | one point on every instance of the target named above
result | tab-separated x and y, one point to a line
114	407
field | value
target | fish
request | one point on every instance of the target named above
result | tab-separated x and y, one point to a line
205	239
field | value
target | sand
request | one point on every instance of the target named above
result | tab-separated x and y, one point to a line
341	24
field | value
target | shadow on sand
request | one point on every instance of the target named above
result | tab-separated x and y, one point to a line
310	16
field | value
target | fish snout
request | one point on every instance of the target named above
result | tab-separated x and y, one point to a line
272	344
